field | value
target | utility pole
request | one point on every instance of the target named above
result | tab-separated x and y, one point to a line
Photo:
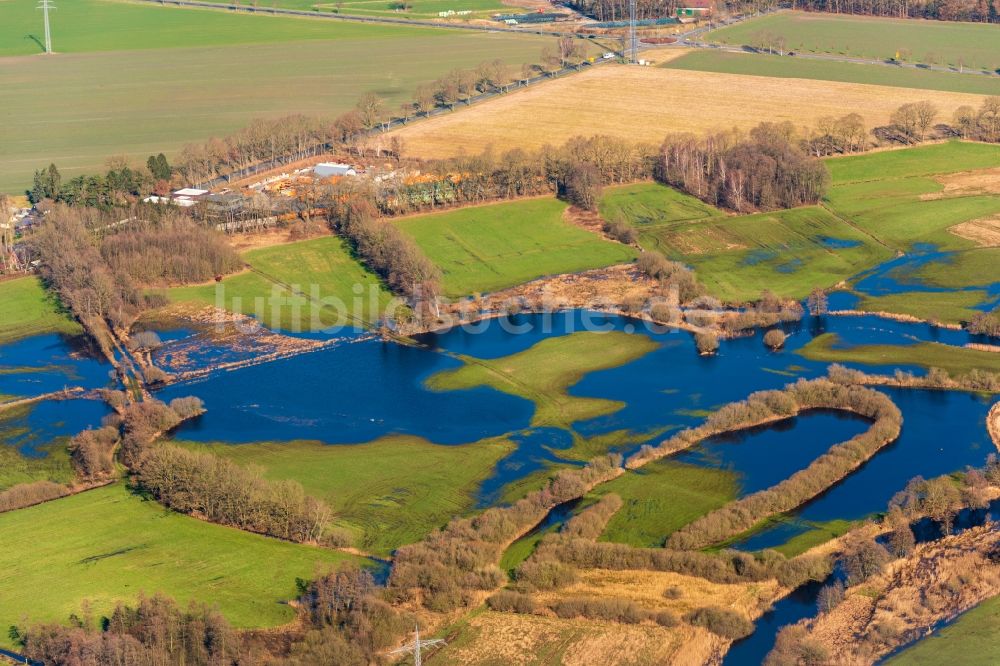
633	39
45	6
416	645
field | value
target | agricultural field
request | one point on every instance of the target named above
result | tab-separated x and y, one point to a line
487	248
974	45
973	636
29	309
545	372
107	545
784	67
94	98
789	252
301	286
415	486
644	104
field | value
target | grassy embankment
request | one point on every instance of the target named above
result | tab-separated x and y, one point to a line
325	264
970	640
825	70
107	545
94	98
930	42
788	252
28	309
955	360
896	196
664	496
488	248
545	372
388	492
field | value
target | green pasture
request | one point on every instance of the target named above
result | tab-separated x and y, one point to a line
664	496
789	252
651	204
957	361
978	267
971	640
727	62
930	42
388	492
136	80
930	160
107	545
545	372
943	306
29	309
301	286
487	248
817	534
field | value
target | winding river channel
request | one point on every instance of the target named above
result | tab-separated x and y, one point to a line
364	388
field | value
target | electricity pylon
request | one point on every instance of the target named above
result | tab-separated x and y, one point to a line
633	38
416	645
45	6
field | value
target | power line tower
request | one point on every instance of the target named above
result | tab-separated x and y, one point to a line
45	6
633	39
416	645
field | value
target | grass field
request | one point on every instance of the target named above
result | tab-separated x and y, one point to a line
727	62
646	103
970	640
978	267
651	204
956	360
931	42
328	283
819	533
544	373
28	309
663	497
488	248
135	80
107	545
945	306
16	468
389	492
789	252
893	195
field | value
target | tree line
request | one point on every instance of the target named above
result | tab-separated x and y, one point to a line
984	11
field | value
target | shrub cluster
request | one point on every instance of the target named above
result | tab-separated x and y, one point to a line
92	452
224	492
446	568
722	621
28	494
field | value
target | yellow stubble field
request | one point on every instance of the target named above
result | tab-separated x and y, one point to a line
645	103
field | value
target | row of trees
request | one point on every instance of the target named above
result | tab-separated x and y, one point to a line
444	571
765	170
118	186
943	10
839	461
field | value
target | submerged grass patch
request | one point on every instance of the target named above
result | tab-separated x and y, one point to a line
789	252
957	361
107	545
944	306
487	248
664	496
388	492
29	309
545	372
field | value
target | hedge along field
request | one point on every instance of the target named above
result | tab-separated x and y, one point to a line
826	70
107	545
487	248
325	263
386	493
136	80
931	42
789	252
28	309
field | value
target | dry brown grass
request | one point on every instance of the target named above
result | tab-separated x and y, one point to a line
985	232
645	103
507	639
646	588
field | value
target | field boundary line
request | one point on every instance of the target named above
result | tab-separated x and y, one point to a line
854	226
